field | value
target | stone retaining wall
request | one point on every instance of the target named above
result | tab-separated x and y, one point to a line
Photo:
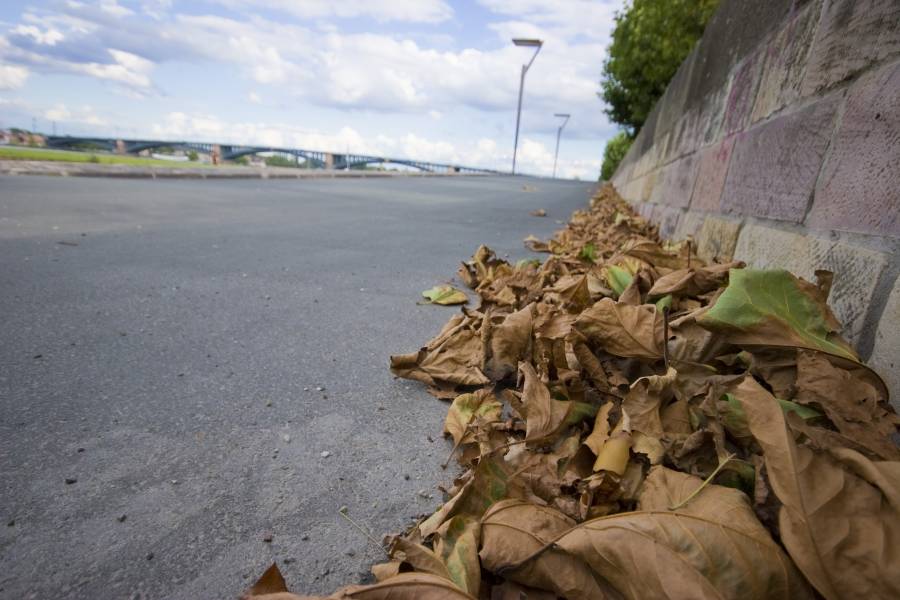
778	143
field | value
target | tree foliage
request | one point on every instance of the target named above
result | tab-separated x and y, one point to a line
650	40
615	151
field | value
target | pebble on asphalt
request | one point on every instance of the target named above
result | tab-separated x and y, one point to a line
325	454
71	480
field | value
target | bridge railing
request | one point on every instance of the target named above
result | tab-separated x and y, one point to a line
316	158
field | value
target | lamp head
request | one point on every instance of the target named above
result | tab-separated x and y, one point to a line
530	42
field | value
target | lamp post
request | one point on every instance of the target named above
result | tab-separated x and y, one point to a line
565	118
529	43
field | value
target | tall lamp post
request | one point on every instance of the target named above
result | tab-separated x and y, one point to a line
565	118
529	43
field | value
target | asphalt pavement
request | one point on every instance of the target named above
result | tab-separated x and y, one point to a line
194	374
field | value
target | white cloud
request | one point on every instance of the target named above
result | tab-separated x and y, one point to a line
417	11
12	77
591	19
48	37
129	69
112	7
254	98
84	115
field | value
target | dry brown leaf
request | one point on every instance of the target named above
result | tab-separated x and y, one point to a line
511	342
840	514
513	530
544	416
622	329
720	552
693	282
600	432
509	590
645	400
454	356
405	586
850	403
271	586
417	556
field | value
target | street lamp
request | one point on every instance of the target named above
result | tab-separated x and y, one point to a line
529	43
565	118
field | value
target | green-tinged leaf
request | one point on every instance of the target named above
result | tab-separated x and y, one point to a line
464	410
774	308
456	543
619	278
489	484
588	252
735	419
664	303
444	295
526	262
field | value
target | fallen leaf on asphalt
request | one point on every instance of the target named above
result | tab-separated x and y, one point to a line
445	295
539	212
630	421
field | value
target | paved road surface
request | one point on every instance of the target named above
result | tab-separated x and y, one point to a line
170	361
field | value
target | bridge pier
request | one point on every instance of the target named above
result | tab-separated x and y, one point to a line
329	160
120	147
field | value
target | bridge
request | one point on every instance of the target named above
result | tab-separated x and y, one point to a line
313	158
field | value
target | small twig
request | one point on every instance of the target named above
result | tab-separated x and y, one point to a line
666	338
689	253
704	484
343	513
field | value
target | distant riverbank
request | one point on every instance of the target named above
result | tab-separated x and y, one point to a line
160	169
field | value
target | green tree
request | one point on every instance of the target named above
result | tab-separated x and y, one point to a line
192	155
615	151
650	40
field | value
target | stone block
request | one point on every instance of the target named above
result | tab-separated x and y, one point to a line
630	191
742	94
859	188
672	102
689	226
784	62
667	218
856	270
851	35
885	357
734	30
712	168
774	165
717	238
678	185
645	209
712	112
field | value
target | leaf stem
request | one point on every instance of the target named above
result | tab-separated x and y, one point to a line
343	513
704	484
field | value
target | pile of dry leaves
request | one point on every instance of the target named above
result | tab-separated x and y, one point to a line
633	422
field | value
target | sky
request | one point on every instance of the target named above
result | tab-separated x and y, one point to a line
432	80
